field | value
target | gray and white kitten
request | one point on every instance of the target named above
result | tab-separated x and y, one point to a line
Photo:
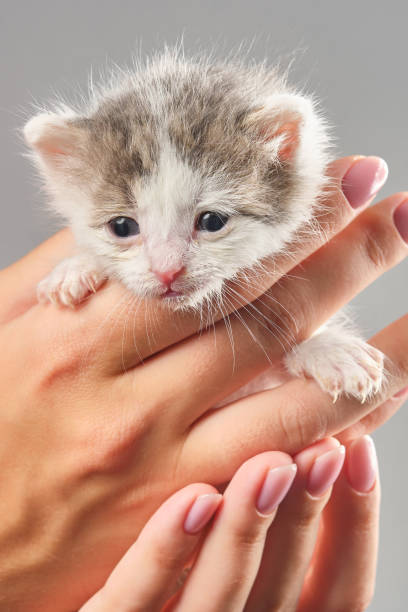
177	176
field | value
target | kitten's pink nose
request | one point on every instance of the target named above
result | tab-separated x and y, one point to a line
168	276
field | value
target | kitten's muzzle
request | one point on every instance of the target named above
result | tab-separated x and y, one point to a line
168	276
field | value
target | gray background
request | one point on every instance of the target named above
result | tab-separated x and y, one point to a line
352	54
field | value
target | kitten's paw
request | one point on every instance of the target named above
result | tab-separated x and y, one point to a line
70	282
339	364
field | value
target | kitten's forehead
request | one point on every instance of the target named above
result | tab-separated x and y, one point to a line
122	144
170	192
200	112
159	145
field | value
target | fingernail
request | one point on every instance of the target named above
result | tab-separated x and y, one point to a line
201	512
401	220
401	393
325	470
364	179
276	484
362	465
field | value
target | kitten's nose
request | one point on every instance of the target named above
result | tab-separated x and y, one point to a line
168	276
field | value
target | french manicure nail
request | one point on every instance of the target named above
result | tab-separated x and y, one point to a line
364	179
362	465
324	471
201	512
276	484
401	220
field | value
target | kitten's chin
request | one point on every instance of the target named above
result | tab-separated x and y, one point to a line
182	300
178	300
170	293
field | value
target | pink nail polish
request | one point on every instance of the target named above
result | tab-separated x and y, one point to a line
362	465
276	484
364	179
324	471
201	512
401	220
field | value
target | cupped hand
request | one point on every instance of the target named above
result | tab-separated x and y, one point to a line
260	552
106	409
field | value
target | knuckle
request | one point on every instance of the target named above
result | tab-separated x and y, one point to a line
335	211
248	537
374	250
291	427
113	446
68	358
300	426
169	560
378	243
363	523
305	516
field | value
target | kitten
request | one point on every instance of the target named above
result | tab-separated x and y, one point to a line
177	176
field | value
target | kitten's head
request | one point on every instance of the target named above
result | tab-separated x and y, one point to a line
184	173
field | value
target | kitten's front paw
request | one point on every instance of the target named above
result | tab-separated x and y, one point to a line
339	364
70	282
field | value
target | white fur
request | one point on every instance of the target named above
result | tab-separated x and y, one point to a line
340	362
168	203
71	282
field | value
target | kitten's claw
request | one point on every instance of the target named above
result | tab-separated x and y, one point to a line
70	282
340	364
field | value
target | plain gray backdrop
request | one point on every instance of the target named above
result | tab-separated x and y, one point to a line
352	54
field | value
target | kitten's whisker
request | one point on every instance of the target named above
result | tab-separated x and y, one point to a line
263	317
130	304
269	324
138	302
250	332
268	307
228	326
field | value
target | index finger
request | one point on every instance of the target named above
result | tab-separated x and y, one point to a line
342	575
148	573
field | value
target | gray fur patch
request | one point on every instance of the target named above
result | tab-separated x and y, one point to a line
202	109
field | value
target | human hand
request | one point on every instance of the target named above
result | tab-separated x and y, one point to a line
94	439
260	553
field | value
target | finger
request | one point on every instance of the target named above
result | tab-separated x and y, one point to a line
343	572
367	248
291	538
135	329
18	282
229	558
375	419
148	573
289	417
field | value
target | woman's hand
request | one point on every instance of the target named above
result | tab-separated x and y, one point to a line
260	553
105	410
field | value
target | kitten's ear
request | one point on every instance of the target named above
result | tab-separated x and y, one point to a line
55	139
281	124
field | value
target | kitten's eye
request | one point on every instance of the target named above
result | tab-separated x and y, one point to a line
123	227
211	221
